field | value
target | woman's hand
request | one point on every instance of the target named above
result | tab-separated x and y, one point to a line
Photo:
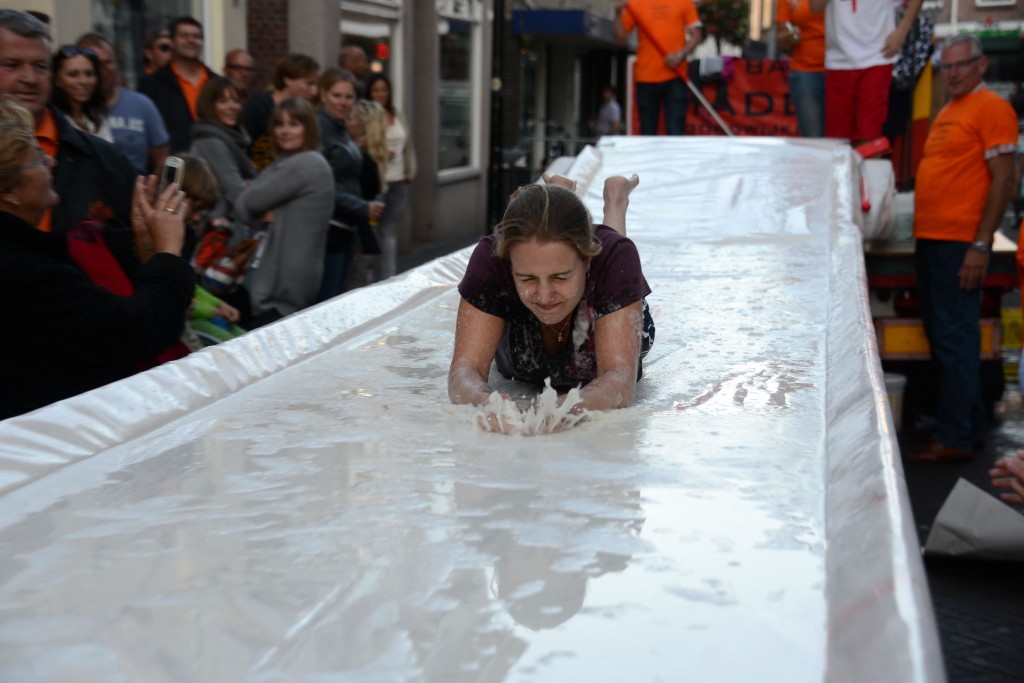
226	311
375	211
144	187
162	221
894	42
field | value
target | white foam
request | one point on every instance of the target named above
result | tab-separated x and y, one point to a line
542	415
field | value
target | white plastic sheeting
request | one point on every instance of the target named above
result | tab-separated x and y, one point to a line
304	504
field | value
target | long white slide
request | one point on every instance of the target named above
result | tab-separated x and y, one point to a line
304	503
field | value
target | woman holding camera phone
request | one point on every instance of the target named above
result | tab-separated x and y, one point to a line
72	334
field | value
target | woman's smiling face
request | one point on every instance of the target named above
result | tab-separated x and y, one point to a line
550	278
339	100
289	134
77	79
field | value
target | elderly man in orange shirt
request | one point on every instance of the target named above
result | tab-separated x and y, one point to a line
963	186
674	27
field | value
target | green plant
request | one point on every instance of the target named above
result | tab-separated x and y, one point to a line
726	20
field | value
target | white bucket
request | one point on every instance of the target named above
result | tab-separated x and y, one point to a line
895	384
903	222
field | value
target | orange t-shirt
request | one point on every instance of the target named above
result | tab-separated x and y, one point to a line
662	27
809	53
953	178
191	90
46	136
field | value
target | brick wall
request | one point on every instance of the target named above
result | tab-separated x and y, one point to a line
267	27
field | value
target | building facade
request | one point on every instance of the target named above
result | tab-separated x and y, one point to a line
437	54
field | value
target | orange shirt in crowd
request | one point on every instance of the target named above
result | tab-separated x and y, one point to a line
666	20
953	178
809	53
190	89
46	136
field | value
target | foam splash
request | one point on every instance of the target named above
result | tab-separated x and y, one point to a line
542	415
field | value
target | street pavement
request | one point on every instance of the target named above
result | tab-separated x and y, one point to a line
979	606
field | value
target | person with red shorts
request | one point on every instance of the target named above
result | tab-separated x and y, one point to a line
861	44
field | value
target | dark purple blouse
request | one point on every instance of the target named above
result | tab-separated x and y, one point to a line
615	281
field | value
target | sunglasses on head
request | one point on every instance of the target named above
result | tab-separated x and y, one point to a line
74	51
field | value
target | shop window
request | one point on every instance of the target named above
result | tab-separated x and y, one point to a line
127	22
455	89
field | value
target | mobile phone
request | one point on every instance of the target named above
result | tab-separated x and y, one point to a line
172	172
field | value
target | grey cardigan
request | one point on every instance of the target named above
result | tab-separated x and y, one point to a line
299	189
224	150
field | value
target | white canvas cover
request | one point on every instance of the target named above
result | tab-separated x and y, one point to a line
304	504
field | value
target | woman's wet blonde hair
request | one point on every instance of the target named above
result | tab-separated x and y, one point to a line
546	213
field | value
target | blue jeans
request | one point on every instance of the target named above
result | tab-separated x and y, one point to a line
649	97
950	316
807	90
387	231
336	265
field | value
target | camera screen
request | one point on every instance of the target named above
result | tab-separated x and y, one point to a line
170	175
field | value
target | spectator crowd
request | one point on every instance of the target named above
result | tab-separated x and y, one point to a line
285	198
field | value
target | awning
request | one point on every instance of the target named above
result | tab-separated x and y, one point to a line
563	23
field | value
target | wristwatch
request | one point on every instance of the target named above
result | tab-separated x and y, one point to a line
982	246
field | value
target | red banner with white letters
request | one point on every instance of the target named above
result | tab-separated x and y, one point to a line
752	97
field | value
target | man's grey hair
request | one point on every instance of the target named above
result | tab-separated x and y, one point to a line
962	38
23	24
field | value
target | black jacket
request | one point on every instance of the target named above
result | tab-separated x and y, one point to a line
64	334
94	180
162	87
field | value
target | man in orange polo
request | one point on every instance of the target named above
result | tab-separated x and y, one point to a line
674	27
963	185
94	180
174	88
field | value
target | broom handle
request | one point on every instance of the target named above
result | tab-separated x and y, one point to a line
681	70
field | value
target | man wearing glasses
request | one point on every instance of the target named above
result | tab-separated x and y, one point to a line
238	68
963	185
94	181
157	50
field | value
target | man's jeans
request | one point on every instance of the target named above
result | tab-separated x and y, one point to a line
807	91
950	316
649	97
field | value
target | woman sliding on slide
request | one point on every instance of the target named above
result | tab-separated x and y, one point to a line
551	295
